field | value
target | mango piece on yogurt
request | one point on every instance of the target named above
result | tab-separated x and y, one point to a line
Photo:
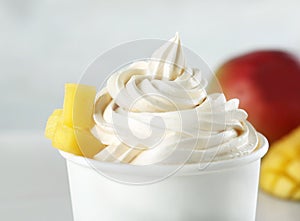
75	140
69	129
280	171
64	139
79	105
52	123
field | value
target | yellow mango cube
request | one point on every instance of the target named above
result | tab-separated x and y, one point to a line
79	105
52	123
268	180
77	141
69	129
276	162
283	187
64	139
293	170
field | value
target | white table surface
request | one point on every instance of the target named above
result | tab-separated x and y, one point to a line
34	184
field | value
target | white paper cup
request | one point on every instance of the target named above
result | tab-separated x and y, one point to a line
222	191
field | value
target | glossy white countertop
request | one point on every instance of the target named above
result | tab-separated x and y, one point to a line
34	184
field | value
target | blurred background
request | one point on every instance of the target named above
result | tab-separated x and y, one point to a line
46	43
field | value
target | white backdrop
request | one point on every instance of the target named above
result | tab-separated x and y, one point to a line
45	43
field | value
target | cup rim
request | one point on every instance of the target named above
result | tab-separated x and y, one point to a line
187	169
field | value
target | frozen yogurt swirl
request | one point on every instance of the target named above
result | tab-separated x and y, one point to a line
158	111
